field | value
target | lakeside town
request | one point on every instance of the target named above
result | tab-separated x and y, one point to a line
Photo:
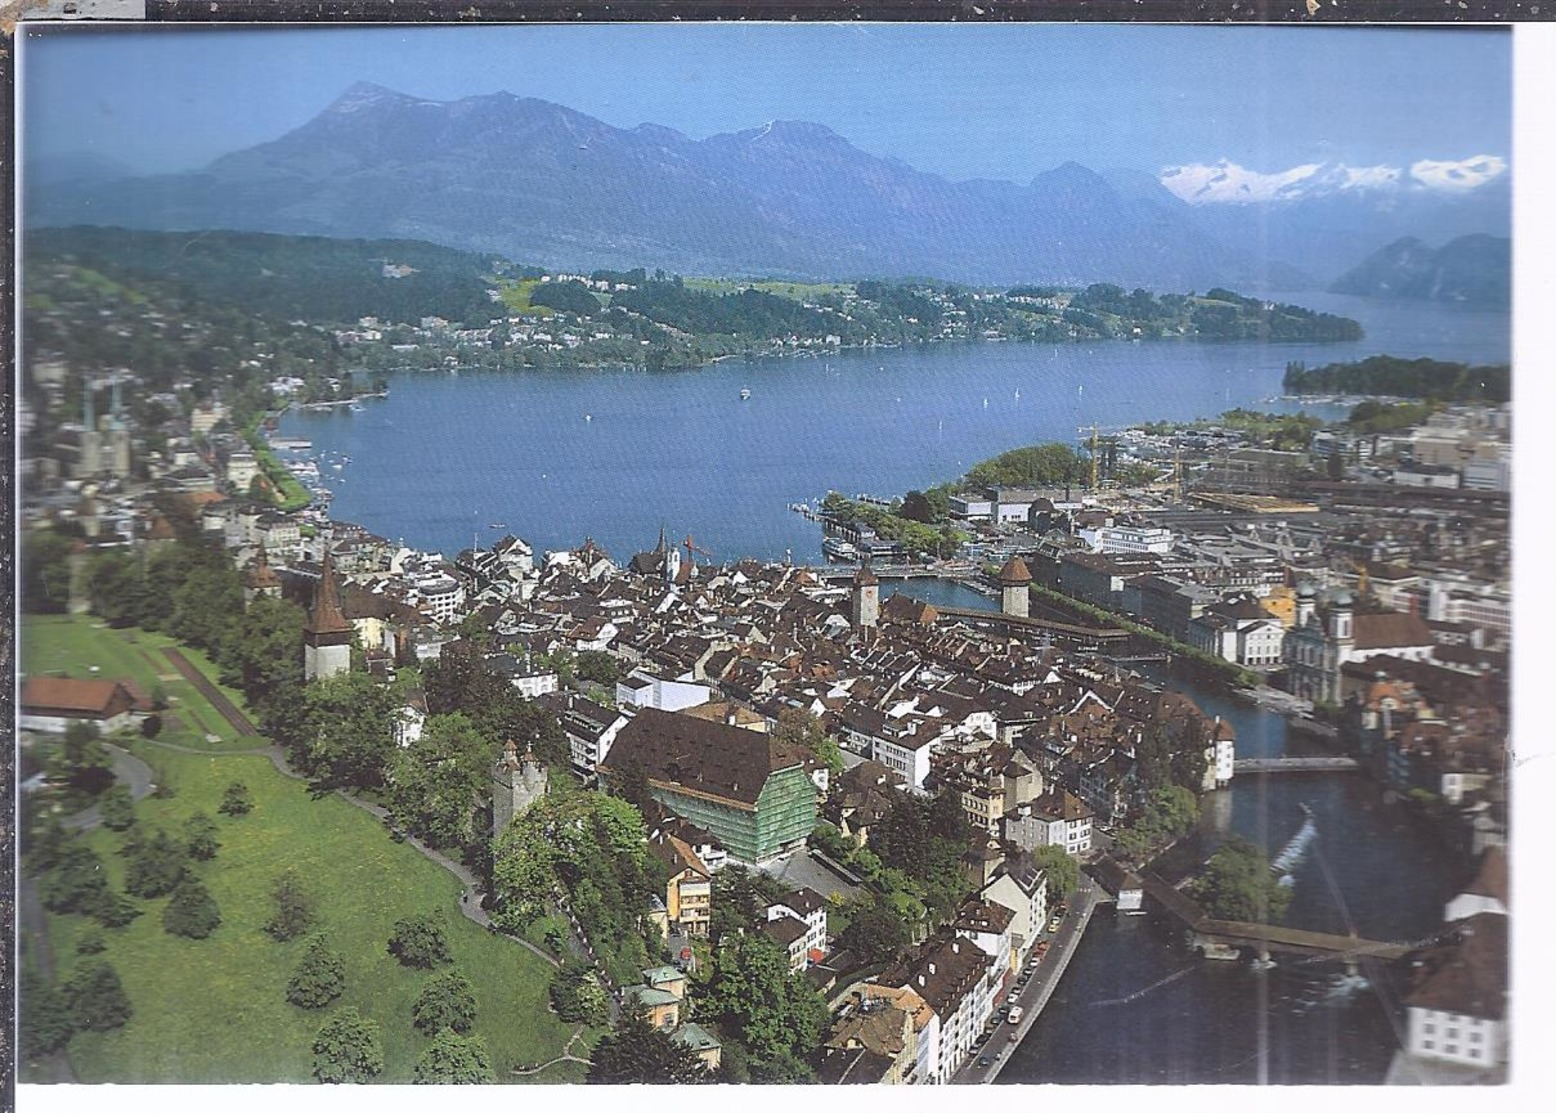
863	833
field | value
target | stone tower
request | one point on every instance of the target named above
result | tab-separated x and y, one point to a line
517	783
327	633
1014	580
865	604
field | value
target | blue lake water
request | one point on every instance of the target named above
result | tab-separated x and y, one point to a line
558	456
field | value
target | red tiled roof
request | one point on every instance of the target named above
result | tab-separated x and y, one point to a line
80	698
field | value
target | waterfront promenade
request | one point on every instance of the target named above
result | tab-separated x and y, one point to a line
1005	1038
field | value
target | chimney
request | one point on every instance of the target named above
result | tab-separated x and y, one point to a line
931	970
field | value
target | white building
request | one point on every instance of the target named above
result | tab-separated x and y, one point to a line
1125	539
1457	1005
810	908
1022	888
643	691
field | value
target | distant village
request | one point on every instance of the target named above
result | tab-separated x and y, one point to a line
1372	602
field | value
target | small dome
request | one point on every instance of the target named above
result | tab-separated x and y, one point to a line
1305	589
1344	599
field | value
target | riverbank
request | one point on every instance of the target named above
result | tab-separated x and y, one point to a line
1006	1038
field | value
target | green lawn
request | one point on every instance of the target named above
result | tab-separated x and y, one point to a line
77	643
215	1010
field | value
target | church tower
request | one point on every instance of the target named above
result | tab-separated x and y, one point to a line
1014	580
327	633
865	605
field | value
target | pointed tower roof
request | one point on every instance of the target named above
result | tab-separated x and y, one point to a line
866	577
326	614
261	576
1015	572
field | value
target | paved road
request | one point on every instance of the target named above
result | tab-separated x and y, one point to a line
1034	996
131	771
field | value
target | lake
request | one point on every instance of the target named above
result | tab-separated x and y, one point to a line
616	455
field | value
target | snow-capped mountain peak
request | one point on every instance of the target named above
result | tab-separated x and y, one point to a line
1226	182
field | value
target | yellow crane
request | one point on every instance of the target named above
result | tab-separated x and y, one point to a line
1361	575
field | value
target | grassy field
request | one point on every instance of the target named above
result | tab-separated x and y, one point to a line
75	644
215	1010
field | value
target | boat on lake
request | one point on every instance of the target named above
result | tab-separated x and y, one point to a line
745	393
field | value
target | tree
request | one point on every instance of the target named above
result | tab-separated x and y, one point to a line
348	1049
76	883
876	930
446	1002
436	787
349	732
600	667
153	867
419	942
577	995
1171	811
737	909
90	941
454	1060
1239	885
774	1012
637	1054
294	911
236	800
265	653
1064	876
45	572
320	976
96	998
46	1021
82	750
117	807
200	836
191	912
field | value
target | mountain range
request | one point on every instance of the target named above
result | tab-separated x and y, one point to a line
1474	270
538	182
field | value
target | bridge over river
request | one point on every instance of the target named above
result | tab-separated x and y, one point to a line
1296	764
1266	938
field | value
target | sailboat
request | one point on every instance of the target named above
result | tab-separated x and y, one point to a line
745	393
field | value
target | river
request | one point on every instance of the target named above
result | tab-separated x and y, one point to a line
1372	866
616	455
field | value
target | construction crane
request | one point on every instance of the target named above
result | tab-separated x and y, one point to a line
1361	576
1111	444
692	548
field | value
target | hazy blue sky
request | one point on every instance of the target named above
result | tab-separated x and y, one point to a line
996	101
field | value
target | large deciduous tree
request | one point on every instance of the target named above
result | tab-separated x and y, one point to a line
349	733
1239	885
348	1049
454	1060
437	787
418	941
775	1013
446	1002
1063	874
